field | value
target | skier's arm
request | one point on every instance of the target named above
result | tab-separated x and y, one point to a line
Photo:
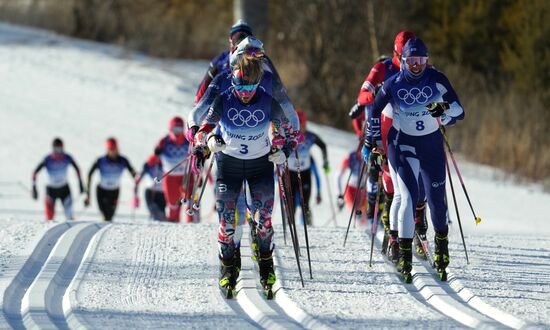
37	169
455	111
130	168
208	77
90	173
140	176
343	167
376	76
372	134
210	122
281	96
315	173
201	109
77	169
321	144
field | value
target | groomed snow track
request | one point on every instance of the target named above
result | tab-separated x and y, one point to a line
452	298
280	313
35	297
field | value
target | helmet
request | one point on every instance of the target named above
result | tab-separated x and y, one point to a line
57	142
302	117
415	47
400	40
249	47
111	144
176	125
240	26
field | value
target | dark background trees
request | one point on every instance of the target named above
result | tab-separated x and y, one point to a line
495	52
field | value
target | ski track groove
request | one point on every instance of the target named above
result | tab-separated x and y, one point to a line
452	300
35	297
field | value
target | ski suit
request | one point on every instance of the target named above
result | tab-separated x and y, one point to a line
154	195
304	164
245	130
172	151
57	188
418	142
107	190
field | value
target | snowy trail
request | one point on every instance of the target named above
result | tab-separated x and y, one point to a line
142	274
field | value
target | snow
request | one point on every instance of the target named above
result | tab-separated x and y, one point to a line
152	275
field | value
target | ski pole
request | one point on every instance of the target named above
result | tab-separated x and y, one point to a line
158	180
330	200
283	216
196	204
291	224
456	209
355	201
476	218
303	206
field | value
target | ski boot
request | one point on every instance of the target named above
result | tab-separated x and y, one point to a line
267	276
386	222
420	229
358	216
404	266
307	217
393	253
441	255
228	278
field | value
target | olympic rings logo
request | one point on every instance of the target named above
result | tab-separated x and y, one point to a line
245	117
415	95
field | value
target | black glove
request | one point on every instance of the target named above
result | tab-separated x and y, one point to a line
356	110
87	200
326	166
34	192
340	202
436	109
200	153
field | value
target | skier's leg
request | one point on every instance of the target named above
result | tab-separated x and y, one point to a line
306	188
49	204
112	203
172	187
372	188
262	189
434	177
102	201
66	198
159	205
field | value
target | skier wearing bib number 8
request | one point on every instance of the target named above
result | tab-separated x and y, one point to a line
244	110
421	97
304	165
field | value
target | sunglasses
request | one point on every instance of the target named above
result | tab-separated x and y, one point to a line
177	130
246	88
58	149
418	60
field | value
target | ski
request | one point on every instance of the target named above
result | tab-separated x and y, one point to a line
228	292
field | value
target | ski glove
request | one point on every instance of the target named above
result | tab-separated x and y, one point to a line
34	192
216	143
135	202
326	166
356	111
365	152
340	202
436	109
318	199
278	157
190	134
87	201
200	153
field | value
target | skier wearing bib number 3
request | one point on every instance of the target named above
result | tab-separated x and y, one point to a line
244	111
422	97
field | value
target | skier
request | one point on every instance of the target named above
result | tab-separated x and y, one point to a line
381	72
352	163
172	150
154	195
110	169
423	99
303	163
244	110
56	165
239	31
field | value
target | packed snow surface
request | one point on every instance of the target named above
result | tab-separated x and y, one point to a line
143	274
